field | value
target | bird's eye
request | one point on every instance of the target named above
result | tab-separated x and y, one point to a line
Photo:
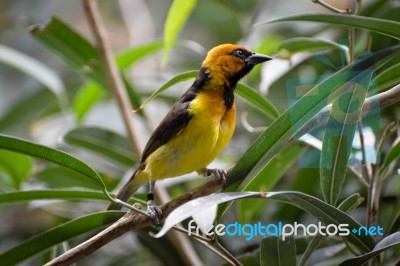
239	53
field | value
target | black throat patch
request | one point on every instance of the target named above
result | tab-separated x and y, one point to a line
229	97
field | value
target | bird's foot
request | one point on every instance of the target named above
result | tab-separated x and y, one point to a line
220	174
155	212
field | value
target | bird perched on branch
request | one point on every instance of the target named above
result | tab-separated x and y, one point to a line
198	127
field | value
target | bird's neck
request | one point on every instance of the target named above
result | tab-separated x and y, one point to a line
207	80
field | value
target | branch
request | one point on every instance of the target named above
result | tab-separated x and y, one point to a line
130	221
116	83
332	8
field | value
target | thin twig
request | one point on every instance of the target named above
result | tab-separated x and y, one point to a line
116	83
331	8
212	245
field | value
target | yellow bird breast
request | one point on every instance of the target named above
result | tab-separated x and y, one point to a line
208	132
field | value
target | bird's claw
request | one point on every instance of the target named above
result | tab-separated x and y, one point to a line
220	174
155	212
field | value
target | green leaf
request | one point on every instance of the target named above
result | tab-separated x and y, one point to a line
51	155
347	205
104	142
177	15
383	26
291	121
22	113
86	97
75	50
62	177
393	153
257	100
266	179
351	202
326	214
17	166
386	243
127	58
57	235
305	44
388	77
177	79
36	69
338	138
133	94
278	252
66	194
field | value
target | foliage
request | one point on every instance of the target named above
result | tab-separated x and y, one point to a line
77	152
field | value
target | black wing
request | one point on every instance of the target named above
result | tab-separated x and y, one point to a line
173	123
176	119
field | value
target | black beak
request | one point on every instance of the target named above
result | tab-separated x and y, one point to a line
255	59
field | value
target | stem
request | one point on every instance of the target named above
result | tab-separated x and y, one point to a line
331	8
116	83
213	246
364	166
227	253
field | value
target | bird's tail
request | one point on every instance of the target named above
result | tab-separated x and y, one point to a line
134	183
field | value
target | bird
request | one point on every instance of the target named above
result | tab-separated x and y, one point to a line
198	126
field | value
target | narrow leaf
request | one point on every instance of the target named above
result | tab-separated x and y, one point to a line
326	214
386	243
257	100
104	142
383	26
15	165
72	48
34	68
388	78
278	252
57	235
127	58
338	138
51	155
305	44
266	179
26	110
177	79
393	153
68	194
177	15
85	99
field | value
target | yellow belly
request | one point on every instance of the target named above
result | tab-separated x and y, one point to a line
206	135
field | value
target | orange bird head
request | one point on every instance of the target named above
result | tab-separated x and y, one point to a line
228	63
